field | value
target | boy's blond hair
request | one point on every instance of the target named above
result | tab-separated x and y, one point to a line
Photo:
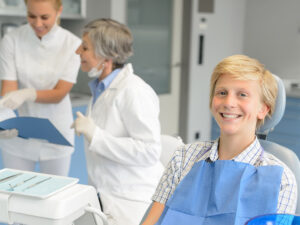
242	67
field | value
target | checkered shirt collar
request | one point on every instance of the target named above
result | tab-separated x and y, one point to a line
250	155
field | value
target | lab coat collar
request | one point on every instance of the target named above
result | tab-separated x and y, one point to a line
47	37
51	33
115	83
97	88
93	84
249	155
125	72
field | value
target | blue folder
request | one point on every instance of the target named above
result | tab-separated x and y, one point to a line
32	127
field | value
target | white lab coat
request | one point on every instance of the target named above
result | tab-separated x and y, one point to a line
123	156
40	64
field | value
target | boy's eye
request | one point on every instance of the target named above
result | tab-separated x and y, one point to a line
221	93
243	94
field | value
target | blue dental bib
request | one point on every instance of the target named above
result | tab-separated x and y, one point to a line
223	192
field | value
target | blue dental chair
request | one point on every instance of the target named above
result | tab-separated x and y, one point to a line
284	154
168	145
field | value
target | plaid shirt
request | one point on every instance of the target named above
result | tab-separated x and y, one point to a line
185	157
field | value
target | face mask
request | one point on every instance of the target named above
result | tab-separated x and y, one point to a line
94	72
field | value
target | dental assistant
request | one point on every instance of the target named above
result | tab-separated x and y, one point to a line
121	128
38	67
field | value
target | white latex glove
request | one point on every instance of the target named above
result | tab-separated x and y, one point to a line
84	125
15	99
7	134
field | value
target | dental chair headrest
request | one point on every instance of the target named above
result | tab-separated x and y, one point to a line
270	123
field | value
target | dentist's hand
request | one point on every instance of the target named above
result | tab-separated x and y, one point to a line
7	134
84	125
15	99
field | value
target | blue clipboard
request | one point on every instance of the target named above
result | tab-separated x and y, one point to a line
33	127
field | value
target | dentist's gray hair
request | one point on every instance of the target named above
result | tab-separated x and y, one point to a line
110	39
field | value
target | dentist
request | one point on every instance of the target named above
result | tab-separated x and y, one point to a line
121	128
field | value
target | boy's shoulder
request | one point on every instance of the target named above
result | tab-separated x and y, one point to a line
270	160
199	146
197	150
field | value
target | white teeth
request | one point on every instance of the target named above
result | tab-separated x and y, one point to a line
229	116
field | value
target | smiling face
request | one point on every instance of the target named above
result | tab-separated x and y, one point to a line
237	105
87	54
42	16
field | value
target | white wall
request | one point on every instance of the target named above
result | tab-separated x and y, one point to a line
223	37
272	35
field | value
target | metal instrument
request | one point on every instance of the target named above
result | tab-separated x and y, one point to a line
37	183
9	177
20	183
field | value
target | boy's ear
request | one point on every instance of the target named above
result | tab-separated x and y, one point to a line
264	109
60	10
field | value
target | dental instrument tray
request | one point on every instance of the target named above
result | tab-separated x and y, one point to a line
33	184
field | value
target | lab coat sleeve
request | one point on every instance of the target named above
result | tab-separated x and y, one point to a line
7	59
139	109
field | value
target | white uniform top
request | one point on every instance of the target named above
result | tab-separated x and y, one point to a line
40	64
123	156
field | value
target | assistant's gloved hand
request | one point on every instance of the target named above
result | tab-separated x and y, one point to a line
84	125
15	99
7	134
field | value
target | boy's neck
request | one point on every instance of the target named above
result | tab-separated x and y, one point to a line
231	146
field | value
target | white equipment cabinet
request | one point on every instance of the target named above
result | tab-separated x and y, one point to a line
74	204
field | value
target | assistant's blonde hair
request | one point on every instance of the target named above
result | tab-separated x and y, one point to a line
57	3
242	67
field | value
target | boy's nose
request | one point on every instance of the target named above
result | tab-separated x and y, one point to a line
230	101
